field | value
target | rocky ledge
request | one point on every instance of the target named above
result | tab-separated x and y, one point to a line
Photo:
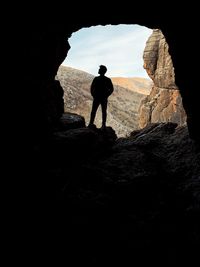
128	200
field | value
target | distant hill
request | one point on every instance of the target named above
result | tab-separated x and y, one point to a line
123	103
136	84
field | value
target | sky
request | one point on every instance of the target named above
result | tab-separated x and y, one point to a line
120	48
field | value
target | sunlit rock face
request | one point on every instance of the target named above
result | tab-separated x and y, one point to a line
164	102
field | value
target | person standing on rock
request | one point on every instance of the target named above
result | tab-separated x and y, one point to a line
101	89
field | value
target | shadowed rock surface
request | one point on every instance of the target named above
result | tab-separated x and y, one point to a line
70	121
38	229
116	200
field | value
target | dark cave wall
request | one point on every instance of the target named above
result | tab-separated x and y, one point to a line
46	46
45	50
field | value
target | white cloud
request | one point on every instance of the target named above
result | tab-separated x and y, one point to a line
119	47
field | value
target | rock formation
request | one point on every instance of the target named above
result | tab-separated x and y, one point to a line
164	102
103	217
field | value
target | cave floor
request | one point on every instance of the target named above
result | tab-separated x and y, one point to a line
109	200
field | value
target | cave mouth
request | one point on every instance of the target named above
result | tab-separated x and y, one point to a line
142	71
120	48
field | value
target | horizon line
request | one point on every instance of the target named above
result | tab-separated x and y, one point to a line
141	77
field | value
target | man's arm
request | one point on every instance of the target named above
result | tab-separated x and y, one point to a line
111	87
92	88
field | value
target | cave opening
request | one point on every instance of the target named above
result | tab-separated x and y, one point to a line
119	47
141	70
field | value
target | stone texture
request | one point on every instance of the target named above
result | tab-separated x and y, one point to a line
164	102
71	121
142	191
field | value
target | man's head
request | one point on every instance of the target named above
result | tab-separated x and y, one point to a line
102	69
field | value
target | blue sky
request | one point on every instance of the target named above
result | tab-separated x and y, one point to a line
119	47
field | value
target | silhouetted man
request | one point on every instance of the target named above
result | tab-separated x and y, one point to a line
101	89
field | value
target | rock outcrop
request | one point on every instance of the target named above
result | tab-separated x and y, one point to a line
164	102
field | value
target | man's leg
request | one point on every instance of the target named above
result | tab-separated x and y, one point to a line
104	111
95	105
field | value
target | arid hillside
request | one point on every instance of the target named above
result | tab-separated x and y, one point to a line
136	84
123	103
